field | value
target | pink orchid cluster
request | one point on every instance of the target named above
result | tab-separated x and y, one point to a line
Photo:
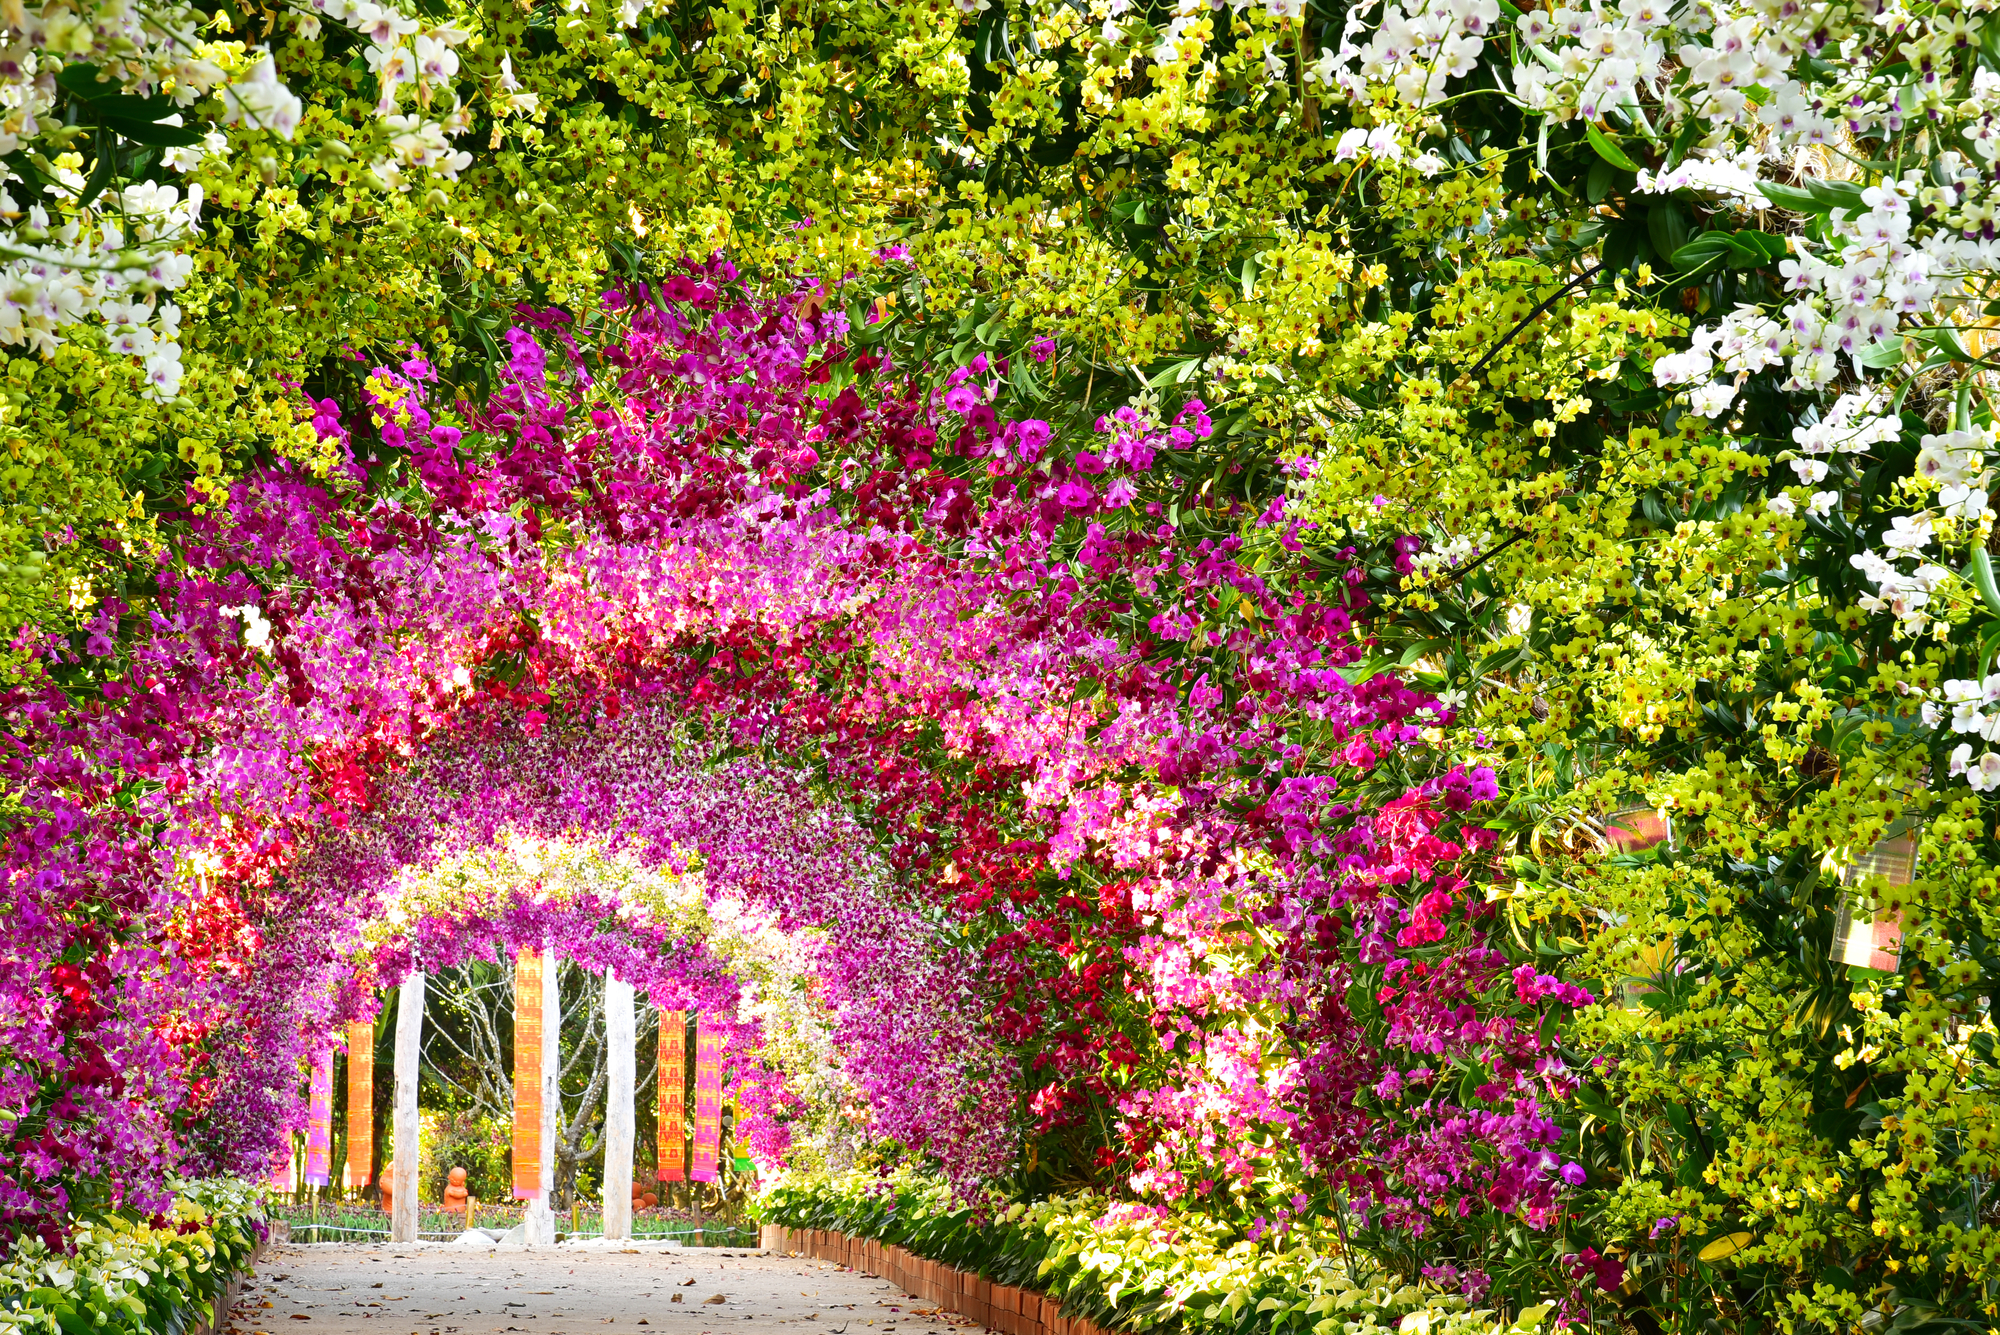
1071	791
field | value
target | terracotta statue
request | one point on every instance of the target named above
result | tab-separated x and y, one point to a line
389	1187
454	1191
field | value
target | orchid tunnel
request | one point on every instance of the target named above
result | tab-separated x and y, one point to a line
1271	666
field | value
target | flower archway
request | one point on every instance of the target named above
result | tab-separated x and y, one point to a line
1127	803
746	834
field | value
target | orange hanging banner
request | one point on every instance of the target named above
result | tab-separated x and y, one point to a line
527	1075
707	1099
360	1103
319	1121
673	1095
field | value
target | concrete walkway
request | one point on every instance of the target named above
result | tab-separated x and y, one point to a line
438	1289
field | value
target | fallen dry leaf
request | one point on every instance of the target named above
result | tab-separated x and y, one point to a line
714	1298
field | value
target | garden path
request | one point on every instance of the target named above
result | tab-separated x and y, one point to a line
438	1289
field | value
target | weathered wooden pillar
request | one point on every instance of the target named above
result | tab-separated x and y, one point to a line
409	1053
620	1038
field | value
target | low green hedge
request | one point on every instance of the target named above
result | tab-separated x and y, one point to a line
127	1273
1140	1268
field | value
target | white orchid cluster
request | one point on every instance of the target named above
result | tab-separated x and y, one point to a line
70	255
145	50
1730	68
1903	595
1751	102
62	262
1955	464
1415	49
112	266
1852	300
1847	306
420	63
1967	707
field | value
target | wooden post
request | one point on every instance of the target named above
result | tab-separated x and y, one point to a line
620	1038
409	1050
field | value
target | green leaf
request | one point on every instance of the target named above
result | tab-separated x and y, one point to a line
1980	571
1753	250
1683	141
1703	250
1789	197
1837	195
100	176
80	80
1944	343
1880	356
1667	226
1597	185
1022	376
1607	148
153	134
1815	196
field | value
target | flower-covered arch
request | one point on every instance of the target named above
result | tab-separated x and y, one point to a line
1131	795
601	934
743	833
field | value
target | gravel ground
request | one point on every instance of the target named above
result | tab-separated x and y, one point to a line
441	1289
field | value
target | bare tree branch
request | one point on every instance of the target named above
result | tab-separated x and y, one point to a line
470	1057
580	1135
474	994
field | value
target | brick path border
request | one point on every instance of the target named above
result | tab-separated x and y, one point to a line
1005	1308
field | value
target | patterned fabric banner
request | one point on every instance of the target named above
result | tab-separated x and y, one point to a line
707	1099
528	983
673	1095
281	1169
360	1103
319	1122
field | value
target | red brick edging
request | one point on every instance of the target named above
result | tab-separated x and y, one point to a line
1006	1308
